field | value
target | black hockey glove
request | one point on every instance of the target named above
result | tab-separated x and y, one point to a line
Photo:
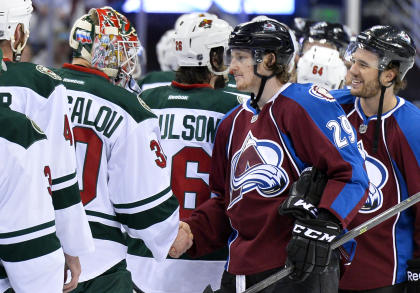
413	275
309	249
305	194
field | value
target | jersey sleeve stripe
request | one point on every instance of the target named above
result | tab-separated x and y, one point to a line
101	215
63	179
105	232
66	197
147	218
144	201
29	249
27	230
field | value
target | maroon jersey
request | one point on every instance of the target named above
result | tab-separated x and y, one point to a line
394	175
256	157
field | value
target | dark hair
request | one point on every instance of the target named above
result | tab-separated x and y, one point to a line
193	75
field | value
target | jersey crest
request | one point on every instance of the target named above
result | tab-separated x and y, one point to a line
378	176
321	93
257	166
50	73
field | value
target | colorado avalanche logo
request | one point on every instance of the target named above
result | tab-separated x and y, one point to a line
257	166
378	176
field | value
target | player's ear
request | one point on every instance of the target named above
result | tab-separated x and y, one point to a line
19	36
389	76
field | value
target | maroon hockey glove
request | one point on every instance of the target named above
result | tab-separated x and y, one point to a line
413	275
309	249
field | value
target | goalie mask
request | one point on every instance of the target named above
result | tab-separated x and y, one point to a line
322	66
13	13
195	39
107	40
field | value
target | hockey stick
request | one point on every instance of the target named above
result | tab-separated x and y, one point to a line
362	228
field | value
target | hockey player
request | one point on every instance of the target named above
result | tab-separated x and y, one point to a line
124	178
261	148
31	253
322	66
189	111
389	138
322	49
36	92
165	50
27	230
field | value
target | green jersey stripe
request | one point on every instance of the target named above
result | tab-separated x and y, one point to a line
29	249
144	201
27	230
101	215
3	274
66	197
63	179
145	219
105	232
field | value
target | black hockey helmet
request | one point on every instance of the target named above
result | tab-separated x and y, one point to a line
334	33
263	36
390	44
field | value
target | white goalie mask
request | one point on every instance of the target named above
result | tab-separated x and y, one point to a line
322	66
12	13
195	38
165	50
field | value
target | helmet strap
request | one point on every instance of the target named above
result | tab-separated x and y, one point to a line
255	99
379	115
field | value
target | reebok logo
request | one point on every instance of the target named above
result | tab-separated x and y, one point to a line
171	97
313	234
413	277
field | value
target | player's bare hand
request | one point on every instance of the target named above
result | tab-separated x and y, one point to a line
183	241
72	264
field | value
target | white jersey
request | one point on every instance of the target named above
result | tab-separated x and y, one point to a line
36	92
27	229
124	180
188	118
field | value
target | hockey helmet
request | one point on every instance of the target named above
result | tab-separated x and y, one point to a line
390	44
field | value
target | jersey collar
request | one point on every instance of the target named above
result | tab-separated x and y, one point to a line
359	110
190	86
85	69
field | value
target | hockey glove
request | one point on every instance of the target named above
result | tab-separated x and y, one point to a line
413	275
305	194
309	249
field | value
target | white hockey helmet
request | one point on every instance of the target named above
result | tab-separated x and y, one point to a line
165	50
322	66
107	40
13	12
191	16
195	38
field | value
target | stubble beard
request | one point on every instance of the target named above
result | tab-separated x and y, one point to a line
369	90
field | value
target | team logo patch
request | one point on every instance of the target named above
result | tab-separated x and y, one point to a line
206	23
405	37
378	177
257	166
45	70
83	37
143	104
321	93
269	27
35	126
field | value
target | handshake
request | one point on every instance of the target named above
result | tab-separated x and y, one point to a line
183	241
